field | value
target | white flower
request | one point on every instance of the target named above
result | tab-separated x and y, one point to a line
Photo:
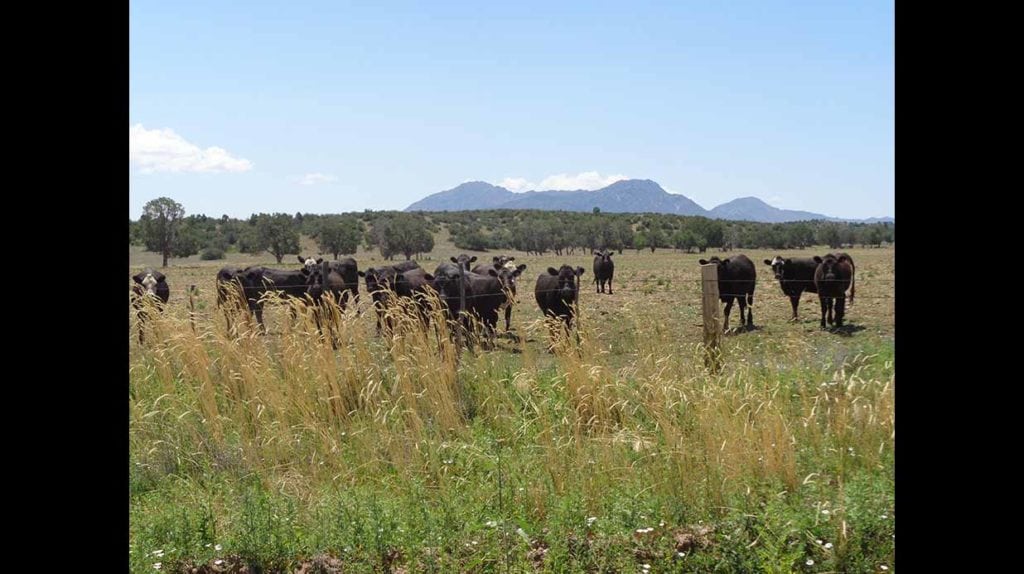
218	562
884	567
681	554
491	524
819	542
825	511
591	520
884	516
828	546
810	562
158	566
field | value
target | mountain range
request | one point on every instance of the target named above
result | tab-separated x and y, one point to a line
624	196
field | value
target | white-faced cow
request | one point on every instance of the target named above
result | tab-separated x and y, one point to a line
795	275
736	280
604	270
149	288
833	276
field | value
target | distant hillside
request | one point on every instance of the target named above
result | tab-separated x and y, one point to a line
624	196
753	209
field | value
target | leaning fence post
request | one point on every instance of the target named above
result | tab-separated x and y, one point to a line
192	307
712	317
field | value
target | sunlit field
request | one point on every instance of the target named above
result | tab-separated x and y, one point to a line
616	452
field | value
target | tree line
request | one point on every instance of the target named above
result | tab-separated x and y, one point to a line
164	228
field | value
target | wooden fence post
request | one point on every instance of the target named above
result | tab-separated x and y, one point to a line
192	307
712	317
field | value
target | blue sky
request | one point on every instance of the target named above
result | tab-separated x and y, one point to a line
325	107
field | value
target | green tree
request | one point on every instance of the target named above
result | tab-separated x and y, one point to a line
275	234
337	235
404	233
160	227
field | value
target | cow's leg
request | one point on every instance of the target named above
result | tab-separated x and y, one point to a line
794	300
743	310
840	310
259	319
508	317
610	285
831	305
824	309
728	308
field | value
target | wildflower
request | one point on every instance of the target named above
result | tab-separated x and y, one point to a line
825	512
681	554
884	567
828	546
591	520
218	548
158	566
218	562
810	562
491	524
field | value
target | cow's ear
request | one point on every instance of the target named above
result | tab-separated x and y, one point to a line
472	259
703	261
319	260
428	276
495	260
160	277
301	260
725	261
492	272
609	254
454	260
580	271
513	258
596	253
552	271
768	262
137	278
817	259
520	268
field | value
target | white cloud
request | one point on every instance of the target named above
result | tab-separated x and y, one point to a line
315	178
516	184
589	180
164	150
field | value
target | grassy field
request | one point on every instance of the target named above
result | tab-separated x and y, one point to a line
619	454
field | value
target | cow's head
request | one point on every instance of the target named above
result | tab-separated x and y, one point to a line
604	255
448	277
309	265
509	274
502	260
463	261
147	281
778	265
375	280
568	281
827	266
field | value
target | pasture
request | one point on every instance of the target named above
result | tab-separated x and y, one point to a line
621	453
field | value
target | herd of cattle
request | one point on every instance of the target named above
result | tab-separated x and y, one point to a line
484	290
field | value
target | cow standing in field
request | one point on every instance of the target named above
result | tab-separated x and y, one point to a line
795	275
404	279
736	280
508	275
833	276
557	293
236	290
148	288
604	269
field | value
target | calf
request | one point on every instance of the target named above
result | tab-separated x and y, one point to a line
736	279
795	276
832	278
557	292
148	288
604	269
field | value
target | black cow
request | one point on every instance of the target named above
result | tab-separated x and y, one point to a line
342	281
451	281
508	274
236	286
557	292
832	278
493	287
403	280
604	269
736	279
148	288
795	275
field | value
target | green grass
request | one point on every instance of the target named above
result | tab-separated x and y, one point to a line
401	454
